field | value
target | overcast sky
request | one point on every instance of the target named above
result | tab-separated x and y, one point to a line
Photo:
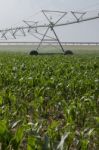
13	11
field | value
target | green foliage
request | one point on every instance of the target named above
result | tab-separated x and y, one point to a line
49	102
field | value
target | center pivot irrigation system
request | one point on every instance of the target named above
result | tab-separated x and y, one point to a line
50	23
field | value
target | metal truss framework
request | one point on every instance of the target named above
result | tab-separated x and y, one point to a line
51	25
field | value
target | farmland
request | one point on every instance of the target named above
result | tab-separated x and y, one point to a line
49	102
77	49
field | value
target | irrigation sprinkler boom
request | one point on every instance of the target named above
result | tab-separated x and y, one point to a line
33	27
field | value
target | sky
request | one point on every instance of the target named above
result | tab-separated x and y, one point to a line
12	12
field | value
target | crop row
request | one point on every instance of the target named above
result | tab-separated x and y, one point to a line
49	102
